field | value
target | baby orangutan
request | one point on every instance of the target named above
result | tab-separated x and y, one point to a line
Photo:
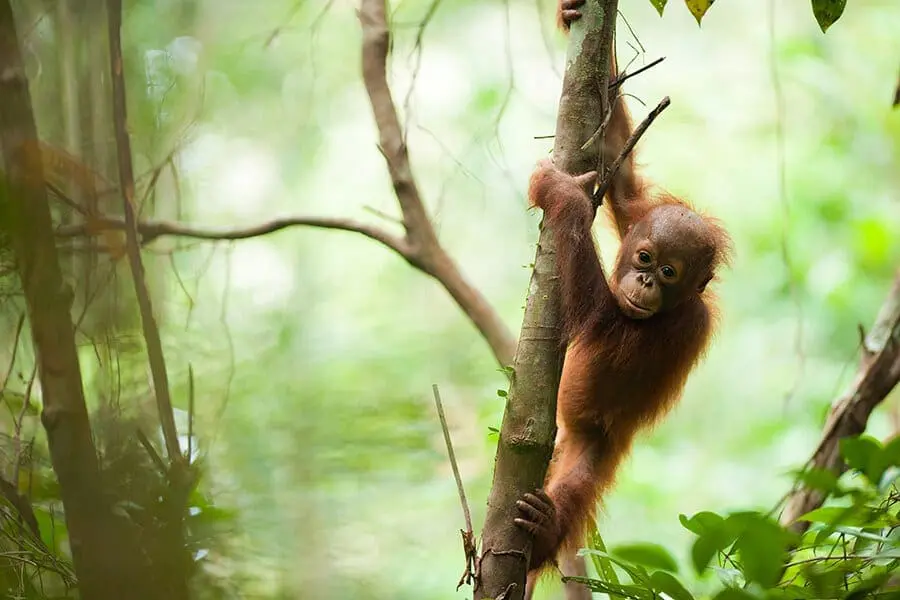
632	339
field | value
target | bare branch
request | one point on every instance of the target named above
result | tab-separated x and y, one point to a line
626	150
423	248
150	230
468	535
878	374
132	245
623	77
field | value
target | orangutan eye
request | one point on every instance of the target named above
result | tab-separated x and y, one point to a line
644	257
668	272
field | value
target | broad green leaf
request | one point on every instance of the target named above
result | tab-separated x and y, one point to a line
702	553
817	479
667	584
659	5
831	515
866	535
762	548
649	555
638	574
702	522
823	581
698	8
854	516
892	452
734	594
865	454
827	12
790	592
602	563
634	592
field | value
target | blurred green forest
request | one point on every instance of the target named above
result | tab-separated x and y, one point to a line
313	352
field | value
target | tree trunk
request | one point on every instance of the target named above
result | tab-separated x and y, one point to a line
529	421
105	562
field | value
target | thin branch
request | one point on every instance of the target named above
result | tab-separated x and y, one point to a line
623	77
150	230
452	455
132	245
468	535
15	351
878	374
626	150
424	251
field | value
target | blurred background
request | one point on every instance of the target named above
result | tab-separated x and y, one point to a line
313	352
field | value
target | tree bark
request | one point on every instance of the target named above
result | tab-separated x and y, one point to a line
529	421
878	374
105	563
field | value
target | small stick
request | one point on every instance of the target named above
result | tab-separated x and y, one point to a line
467	535
459	483
629	146
626	76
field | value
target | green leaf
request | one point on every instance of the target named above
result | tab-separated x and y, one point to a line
865	454
638	574
669	585
702	523
762	549
602	562
698	8
866	535
649	555
827	12
635	592
892	452
659	5
831	515
734	594
702	553
854	516
817	479
790	592
502	393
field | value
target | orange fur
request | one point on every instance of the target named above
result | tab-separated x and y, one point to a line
621	374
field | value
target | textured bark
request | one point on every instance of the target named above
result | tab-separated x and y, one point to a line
529	421
104	562
878	374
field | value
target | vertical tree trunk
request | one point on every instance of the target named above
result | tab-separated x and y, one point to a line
106	564
529	421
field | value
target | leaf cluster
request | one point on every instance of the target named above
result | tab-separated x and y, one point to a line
851	550
826	12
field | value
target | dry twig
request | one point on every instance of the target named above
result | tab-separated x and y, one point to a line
626	150
468	536
132	245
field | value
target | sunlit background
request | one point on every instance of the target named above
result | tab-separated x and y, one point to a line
314	351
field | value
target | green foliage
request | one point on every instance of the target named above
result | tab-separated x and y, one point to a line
659	5
698	8
851	549
827	12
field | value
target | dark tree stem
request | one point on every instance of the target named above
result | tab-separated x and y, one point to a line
529	421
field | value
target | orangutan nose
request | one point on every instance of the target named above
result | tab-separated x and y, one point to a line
645	279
